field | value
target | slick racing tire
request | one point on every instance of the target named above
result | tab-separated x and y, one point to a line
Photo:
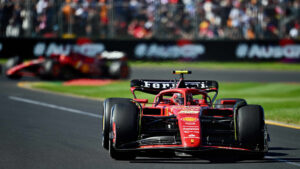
119	70
14	61
218	104
107	105
50	69
124	129
250	127
67	73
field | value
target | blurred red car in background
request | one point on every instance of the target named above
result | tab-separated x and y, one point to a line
75	65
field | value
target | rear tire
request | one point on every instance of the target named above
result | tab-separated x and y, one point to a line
250	126
107	105
119	70
124	129
50	70
67	73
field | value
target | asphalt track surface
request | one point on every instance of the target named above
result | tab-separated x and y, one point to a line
43	130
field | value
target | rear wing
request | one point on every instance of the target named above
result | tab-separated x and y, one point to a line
155	86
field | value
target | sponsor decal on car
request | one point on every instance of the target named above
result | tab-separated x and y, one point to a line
189	111
192	135
189	119
191	129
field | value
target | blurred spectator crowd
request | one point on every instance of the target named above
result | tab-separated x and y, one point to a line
144	19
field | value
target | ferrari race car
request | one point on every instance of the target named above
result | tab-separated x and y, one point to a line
65	67
184	117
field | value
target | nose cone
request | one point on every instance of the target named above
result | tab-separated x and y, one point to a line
189	126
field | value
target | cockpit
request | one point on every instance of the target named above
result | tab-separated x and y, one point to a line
182	96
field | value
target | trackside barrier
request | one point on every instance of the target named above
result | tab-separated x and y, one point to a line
205	50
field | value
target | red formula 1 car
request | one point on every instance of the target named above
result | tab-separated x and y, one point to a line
181	119
59	66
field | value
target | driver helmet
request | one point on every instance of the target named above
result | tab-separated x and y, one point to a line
178	98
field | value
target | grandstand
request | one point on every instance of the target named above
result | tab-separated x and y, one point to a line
151	19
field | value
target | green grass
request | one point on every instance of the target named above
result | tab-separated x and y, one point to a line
220	65
281	101
3	61
116	89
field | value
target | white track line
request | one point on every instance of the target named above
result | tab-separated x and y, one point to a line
54	106
282	160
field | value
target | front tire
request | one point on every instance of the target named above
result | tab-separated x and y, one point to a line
124	130
12	62
250	128
107	105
